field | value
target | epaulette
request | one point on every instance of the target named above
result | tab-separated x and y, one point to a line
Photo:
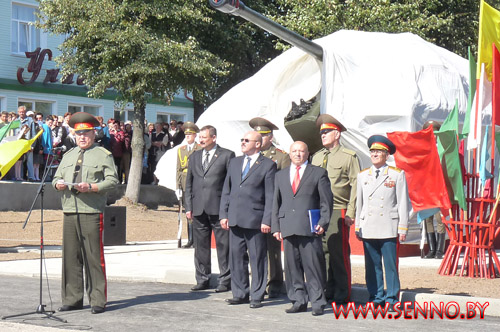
395	169
71	149
183	147
106	151
323	150
364	169
279	150
351	152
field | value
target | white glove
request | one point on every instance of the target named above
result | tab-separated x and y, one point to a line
178	193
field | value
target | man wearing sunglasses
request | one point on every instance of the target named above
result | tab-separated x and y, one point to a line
342	166
275	285
245	211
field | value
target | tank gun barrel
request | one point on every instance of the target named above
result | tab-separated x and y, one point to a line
238	8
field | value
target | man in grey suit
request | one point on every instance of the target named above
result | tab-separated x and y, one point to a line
207	170
299	188
382	218
245	210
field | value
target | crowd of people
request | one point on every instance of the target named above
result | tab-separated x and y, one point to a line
58	138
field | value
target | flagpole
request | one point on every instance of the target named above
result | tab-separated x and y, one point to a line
494	105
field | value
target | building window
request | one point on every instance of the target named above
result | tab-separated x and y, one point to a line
25	37
3	103
166	117
124	115
44	107
91	109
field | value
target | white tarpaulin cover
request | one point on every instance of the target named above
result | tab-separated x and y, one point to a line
372	82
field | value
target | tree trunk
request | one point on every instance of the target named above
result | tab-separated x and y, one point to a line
198	109
135	174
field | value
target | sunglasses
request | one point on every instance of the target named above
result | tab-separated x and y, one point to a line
246	140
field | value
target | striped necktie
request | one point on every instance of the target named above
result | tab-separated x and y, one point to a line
205	162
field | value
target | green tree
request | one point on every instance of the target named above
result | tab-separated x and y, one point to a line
139	48
244	46
452	24
153	49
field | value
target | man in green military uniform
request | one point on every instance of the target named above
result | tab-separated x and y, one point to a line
342	166
85	173
282	160
183	153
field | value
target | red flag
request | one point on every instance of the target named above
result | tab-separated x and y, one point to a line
417	155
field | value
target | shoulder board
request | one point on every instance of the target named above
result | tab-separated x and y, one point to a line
351	152
322	151
279	150
364	169
183	147
71	149
395	169
104	150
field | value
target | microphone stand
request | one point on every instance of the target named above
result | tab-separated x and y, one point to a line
41	307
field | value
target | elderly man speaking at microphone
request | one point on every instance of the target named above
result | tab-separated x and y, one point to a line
85	173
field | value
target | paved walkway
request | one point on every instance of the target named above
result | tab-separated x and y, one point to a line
158	271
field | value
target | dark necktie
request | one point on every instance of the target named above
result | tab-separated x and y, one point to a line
296	180
247	168
77	176
377	172
205	162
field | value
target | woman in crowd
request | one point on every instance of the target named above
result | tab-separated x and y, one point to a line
117	145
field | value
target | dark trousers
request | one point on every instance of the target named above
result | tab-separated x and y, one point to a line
375	250
338	259
304	257
203	226
83	250
275	267
248	245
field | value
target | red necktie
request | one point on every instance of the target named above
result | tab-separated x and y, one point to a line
296	180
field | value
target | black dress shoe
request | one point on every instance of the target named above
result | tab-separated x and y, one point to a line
201	286
69	308
97	310
318	311
188	245
222	289
254	304
296	308
236	300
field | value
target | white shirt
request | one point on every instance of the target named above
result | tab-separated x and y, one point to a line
253	159
190	146
210	154
381	169
293	171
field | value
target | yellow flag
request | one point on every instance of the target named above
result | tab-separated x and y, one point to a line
10	152
489	33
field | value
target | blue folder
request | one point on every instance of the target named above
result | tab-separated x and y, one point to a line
314	216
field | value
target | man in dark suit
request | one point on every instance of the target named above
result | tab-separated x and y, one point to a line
299	188
207	170
245	210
